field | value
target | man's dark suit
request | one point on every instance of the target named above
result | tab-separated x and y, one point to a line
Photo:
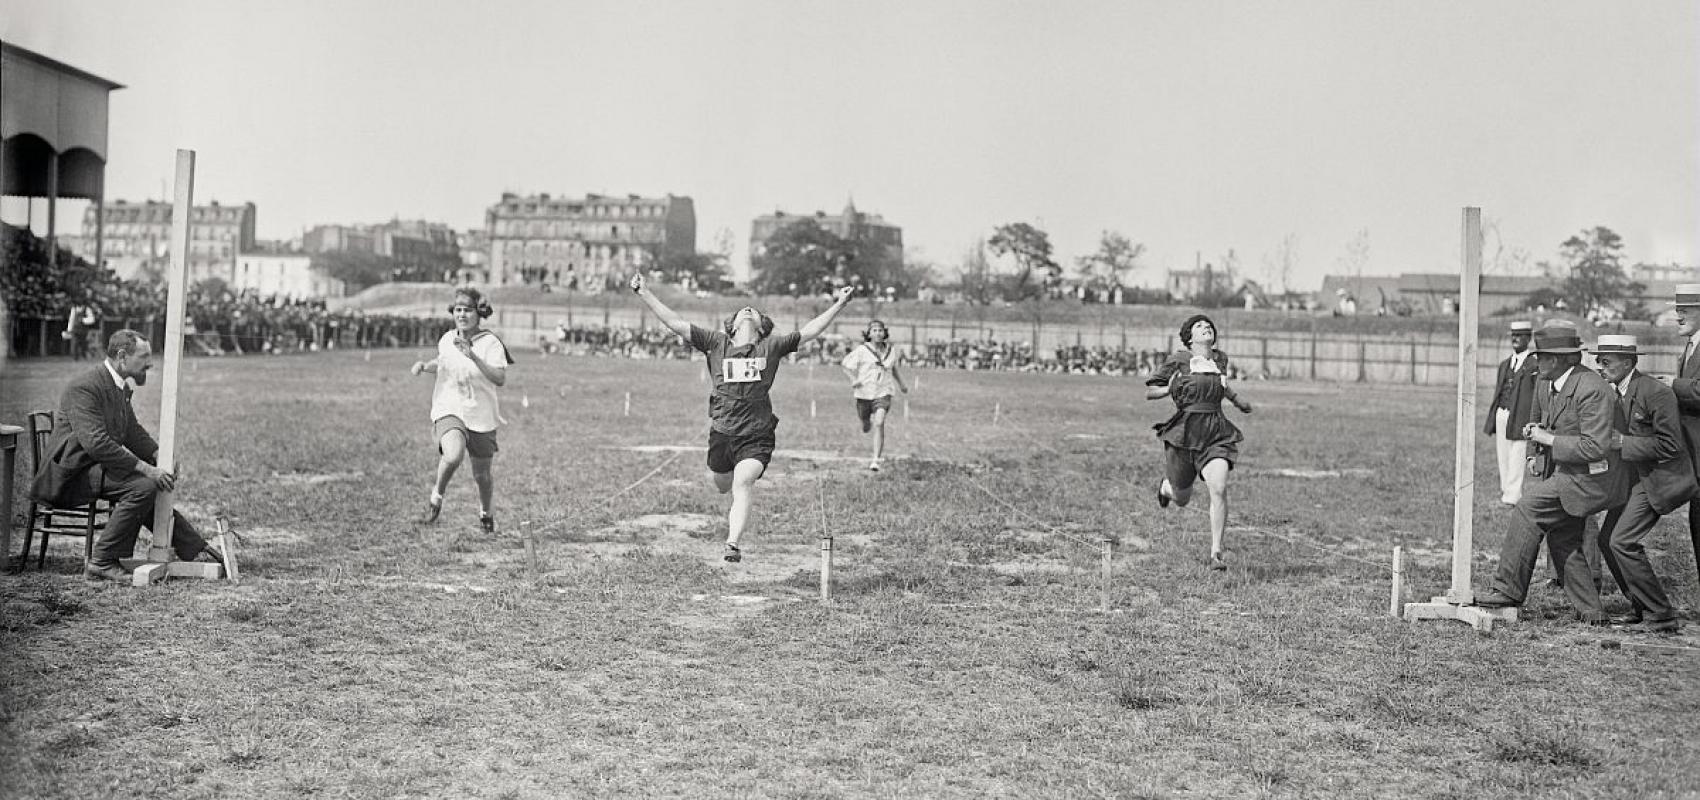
1686	384
96	434
1586	477
1514	391
1664	479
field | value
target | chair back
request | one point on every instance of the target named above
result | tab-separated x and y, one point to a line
41	430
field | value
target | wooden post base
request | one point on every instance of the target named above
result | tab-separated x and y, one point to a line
155	571
1482	619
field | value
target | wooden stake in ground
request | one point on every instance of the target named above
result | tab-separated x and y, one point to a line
161	559
1104	577
1457	602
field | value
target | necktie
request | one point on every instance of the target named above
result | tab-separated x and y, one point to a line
128	392
1687	350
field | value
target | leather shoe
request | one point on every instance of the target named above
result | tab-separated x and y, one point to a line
1671	625
1626	619
1494	598
96	571
209	553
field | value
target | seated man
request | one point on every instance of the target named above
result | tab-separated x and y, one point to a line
95	435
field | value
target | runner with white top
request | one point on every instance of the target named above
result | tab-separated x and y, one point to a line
873	370
471	362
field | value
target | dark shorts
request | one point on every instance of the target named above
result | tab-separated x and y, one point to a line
725	450
865	409
1182	465
478	445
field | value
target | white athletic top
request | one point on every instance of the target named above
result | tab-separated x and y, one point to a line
462	390
870	376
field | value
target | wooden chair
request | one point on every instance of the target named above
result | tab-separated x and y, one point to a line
51	520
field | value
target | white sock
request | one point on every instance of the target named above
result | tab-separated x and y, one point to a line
436	499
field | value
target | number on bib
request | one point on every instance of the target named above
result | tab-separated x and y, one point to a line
742	370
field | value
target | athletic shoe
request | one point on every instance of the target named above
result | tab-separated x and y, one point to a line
1162	499
1219	560
431	512
733	554
487	522
874	465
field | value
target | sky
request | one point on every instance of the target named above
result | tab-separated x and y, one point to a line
1195	128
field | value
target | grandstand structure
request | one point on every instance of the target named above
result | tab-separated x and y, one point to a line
53	134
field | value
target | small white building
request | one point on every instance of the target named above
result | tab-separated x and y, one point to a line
286	274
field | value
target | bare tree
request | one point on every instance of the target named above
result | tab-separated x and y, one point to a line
974	274
1503	259
1278	265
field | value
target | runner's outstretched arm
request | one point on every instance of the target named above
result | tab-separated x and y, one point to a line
817	326
668	317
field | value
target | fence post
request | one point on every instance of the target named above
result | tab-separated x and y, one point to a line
1263	362
1363	348
1313	352
1413	360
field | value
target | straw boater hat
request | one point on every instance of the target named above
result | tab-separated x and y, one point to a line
1522	326
1617	344
1558	336
1687	294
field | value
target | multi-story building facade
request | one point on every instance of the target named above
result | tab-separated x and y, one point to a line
138	238
421	250
272	270
589	243
852	225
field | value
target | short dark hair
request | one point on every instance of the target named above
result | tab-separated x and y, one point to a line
1186	328
763	327
122	343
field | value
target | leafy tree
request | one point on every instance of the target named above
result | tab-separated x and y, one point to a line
1596	280
1031	249
1116	259
358	269
804	255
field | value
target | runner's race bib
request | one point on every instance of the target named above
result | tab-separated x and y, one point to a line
742	370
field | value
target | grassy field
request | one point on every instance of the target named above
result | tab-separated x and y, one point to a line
964	655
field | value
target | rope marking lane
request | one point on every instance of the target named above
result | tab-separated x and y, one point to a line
598	504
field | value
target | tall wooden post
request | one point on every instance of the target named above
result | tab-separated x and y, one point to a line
171	348
1464	445
1456	604
8	462
161	560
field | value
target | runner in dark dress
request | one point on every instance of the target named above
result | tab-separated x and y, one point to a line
1198	441
743	360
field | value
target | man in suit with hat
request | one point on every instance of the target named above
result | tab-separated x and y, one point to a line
1573	472
1648	436
1686	384
1509	412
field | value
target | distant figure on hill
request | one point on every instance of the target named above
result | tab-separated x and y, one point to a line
873	370
743	361
471	363
1198	440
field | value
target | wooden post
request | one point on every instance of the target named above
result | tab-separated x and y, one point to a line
161	559
171	350
8	461
1363	357
628	404
1457	602
1464	443
1313	351
1104	577
997	411
1413	360
1396	604
826	569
